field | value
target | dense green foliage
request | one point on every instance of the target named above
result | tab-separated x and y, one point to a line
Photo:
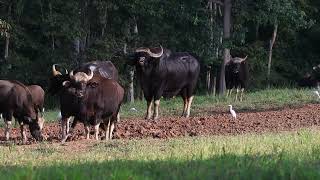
70	32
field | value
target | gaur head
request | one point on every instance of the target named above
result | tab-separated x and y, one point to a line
78	82
35	127
145	58
235	63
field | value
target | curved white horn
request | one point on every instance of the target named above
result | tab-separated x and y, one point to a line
71	75
243	59
54	70
147	50
156	55
90	76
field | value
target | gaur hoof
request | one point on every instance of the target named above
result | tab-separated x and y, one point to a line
65	138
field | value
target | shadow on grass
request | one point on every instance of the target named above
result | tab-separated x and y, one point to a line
226	166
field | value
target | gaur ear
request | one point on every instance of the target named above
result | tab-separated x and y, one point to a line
66	83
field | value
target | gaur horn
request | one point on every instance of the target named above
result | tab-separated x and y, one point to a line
143	50
88	77
71	75
156	55
243	59
54	71
147	50
239	60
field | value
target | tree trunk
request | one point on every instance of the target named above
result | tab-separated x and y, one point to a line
136	32
211	24
52	42
130	93
212	48
257	31
6	50
76	44
131	87
208	80
216	48
226	53
214	86
131	72
272	41
104	20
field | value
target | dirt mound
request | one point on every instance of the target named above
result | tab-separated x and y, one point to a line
217	124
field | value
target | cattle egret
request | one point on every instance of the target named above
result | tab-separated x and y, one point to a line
317	93
233	113
59	115
133	109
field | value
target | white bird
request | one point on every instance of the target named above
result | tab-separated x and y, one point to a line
317	93
133	109
59	115
233	113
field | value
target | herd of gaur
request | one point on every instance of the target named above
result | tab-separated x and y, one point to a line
91	93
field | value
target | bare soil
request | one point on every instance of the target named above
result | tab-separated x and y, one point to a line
286	119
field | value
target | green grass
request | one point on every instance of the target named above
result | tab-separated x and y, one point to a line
292	155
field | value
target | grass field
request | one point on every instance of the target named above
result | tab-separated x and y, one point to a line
288	155
292	155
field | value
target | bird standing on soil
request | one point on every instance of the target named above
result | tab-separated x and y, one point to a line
133	109
233	113
317	93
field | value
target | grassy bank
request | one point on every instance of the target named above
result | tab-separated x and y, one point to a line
294	155
253	101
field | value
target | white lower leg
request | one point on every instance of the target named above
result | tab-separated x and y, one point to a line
87	131
111	129
7	129
118	117
237	94
67	125
64	128
149	110
241	95
23	133
185	107
96	131
189	106
107	129
156	109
